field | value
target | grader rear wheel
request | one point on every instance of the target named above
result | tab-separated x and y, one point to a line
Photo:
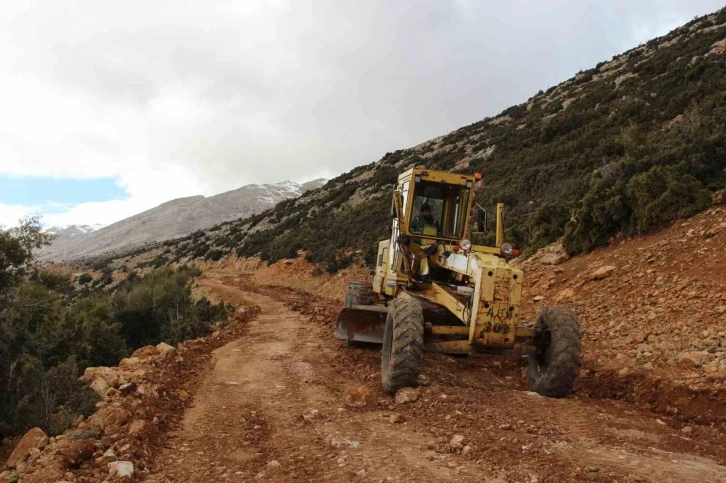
555	363
402	345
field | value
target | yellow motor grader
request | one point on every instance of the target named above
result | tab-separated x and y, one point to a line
433	290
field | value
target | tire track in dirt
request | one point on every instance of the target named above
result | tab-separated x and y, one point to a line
247	419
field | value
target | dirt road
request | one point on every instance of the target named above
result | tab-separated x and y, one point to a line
272	407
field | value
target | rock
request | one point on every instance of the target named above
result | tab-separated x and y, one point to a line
693	359
35	438
145	352
77	452
397	418
362	473
602	272
467	450
592	469
566	294
33	454
137	427
100	386
456	441
340	442
407	395
552	255
121	469
538	298
111	417
358	397
129	362
273	465
127	388
111	393
711	367
686	430
720	375
165	349
112	375
311	414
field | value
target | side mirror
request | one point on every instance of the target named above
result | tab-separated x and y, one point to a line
481	220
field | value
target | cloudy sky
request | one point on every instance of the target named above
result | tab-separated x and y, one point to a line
112	107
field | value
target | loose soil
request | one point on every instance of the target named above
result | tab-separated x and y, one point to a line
288	402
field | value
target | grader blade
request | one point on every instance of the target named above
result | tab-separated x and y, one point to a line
361	323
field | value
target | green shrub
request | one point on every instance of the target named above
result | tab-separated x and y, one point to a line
84	278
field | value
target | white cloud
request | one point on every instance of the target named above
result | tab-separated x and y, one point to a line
179	98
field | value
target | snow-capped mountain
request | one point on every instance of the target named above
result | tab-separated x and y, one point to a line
172	219
73	230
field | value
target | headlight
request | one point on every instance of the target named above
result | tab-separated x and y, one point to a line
465	244
507	250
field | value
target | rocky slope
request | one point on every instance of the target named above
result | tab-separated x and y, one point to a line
172	219
653	309
628	146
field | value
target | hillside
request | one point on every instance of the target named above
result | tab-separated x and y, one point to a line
173	219
628	146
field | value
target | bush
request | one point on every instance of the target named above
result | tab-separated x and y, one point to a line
49	335
84	278
664	194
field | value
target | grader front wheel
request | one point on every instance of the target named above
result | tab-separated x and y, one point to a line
402	345
555	362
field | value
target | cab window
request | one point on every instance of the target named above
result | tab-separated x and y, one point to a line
448	209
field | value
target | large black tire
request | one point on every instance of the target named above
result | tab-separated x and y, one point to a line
555	362
358	293
403	342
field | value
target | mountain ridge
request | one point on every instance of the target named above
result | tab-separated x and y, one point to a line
171	219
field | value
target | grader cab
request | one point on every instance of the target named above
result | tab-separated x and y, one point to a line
434	290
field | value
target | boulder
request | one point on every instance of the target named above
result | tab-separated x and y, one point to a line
602	272
100	386
129	362
456	442
127	388
145	352
358	397
111	417
137	427
165	349
73	455
694	359
35	438
564	295
112	375
397	418
121	469
407	395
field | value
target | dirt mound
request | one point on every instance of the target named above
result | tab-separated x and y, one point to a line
297	273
